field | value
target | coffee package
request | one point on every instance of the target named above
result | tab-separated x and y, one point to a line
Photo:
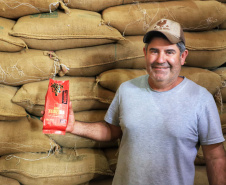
57	101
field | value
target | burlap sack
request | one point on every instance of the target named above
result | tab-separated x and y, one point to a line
26	66
192	15
208	79
105	181
206	49
223	25
57	30
73	141
70	167
18	8
98	5
8	181
224	129
200	176
84	93
24	135
7	42
8	109
223	115
91	61
112	79
90	116
112	157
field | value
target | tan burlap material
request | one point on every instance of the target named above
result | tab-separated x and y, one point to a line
24	135
68	167
17	8
192	15
84	92
26	66
7	42
8	109
57	30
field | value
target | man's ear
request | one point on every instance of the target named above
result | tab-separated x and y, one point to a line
183	56
144	50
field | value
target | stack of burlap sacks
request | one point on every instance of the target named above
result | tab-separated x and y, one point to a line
96	45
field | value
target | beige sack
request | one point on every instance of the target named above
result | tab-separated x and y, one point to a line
200	176
223	25
112	157
105	181
18	8
57	30
73	141
135	19
7	42
208	79
26	66
206	49
221	71
91	61
24	135
84	93
69	167
8	181
90	116
112	79
8	109
98	5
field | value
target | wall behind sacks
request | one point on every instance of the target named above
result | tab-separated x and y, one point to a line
205	42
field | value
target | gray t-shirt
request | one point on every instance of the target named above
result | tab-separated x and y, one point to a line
162	131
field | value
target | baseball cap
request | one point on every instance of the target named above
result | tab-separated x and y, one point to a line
171	29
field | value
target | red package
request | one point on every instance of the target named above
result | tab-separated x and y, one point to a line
57	101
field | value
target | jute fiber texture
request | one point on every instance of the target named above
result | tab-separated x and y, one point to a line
7	42
200	175
68	167
91	61
84	92
26	66
18	8
112	79
8	181
207	49
57	30
24	135
135	19
8	109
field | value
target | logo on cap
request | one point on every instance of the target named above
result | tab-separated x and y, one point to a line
162	25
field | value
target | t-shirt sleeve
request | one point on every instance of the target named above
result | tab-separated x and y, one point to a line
112	115
209	125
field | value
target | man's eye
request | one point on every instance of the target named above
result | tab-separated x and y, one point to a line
153	51
170	52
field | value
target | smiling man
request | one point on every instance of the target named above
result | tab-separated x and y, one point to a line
162	119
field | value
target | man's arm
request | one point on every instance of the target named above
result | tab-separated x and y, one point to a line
99	131
215	163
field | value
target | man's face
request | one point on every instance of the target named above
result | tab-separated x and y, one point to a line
163	61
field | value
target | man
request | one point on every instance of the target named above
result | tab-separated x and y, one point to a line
161	118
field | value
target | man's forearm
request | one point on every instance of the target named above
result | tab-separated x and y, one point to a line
216	171
99	131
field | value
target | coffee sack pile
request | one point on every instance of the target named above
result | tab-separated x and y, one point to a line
96	45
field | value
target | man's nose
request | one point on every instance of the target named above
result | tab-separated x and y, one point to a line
161	58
